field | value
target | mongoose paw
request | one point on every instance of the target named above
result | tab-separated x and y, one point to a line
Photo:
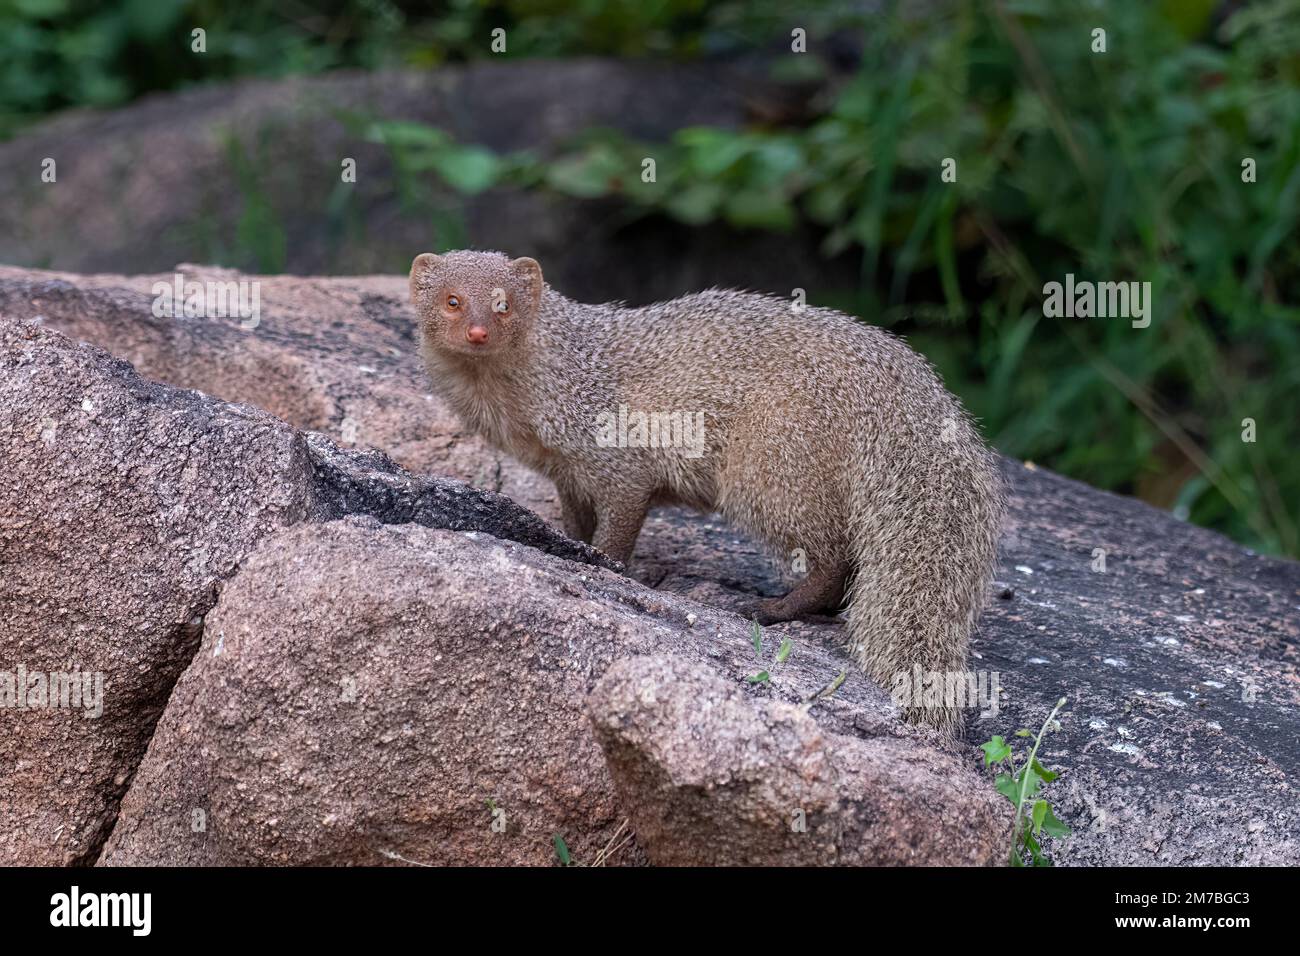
801	604
773	611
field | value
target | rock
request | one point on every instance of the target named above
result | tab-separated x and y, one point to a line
123	504
273	149
347	482
370	694
1181	741
711	775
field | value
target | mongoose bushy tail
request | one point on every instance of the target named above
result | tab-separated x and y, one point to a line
829	439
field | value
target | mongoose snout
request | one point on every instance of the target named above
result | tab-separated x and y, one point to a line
827	438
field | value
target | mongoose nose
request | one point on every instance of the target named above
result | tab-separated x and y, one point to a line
476	334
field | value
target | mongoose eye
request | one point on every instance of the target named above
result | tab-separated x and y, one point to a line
453	302
501	306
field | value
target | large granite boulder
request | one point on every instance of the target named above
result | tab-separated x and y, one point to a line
370	694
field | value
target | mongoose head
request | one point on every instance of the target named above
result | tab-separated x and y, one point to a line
474	304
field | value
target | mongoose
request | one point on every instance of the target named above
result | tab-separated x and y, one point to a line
823	436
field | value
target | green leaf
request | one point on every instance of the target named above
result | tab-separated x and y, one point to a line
1039	814
696	204
783	652
1007	786
762	677
468	169
759	209
757	639
995	751
946	257
776	160
402	133
562	851
1035	850
595	172
1054	827
1032	785
710	151
1190	17
1047	775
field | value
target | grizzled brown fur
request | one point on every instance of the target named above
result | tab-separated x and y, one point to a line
821	435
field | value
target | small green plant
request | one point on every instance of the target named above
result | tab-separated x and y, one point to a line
620	840
830	689
562	851
782	652
1034	816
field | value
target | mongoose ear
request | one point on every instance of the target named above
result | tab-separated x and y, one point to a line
529	274
424	263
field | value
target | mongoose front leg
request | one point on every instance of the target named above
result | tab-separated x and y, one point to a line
821	591
578	516
618	522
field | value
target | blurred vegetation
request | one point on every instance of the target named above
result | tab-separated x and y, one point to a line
1123	165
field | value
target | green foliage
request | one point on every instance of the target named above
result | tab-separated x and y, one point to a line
1034	816
261	236
60	53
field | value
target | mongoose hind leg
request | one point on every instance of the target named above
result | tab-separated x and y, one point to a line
578	516
618	522
820	592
